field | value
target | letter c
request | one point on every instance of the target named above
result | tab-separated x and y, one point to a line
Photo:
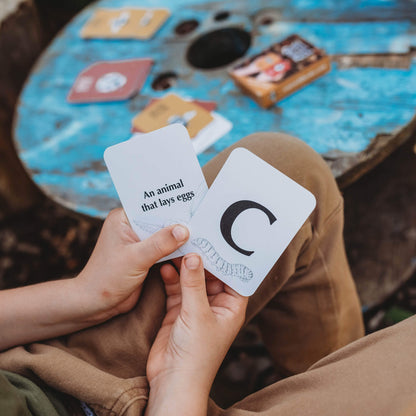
230	215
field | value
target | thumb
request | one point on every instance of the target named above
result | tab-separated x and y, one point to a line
160	244
192	280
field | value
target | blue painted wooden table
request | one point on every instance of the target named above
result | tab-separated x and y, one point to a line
354	115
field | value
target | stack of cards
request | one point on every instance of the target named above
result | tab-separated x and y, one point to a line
280	70
110	81
240	226
204	125
125	23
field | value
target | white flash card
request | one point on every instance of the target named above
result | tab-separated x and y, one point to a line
246	220
158	179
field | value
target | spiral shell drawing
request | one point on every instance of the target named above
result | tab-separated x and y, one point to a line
235	270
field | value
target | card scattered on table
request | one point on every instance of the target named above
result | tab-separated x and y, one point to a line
125	23
169	110
204	125
110	81
240	226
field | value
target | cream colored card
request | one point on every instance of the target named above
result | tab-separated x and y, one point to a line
125	23
172	109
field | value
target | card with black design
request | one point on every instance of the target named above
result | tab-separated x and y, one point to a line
158	179
247	219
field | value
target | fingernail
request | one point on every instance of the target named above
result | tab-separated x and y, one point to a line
192	262
180	233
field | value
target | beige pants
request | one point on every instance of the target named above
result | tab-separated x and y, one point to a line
306	308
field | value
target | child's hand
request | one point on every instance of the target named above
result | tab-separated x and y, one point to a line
112	280
202	319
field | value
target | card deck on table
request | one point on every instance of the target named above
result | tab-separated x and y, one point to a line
280	70
110	81
158	179
125	23
169	110
247	219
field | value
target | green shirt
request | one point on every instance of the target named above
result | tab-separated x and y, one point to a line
20	396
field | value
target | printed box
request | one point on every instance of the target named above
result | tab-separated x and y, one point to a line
280	70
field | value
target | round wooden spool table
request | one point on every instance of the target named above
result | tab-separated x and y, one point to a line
354	116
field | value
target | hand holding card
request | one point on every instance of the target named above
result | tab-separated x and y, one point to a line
245	220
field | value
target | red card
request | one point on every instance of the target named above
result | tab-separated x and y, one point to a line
110	81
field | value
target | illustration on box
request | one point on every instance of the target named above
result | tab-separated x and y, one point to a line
280	70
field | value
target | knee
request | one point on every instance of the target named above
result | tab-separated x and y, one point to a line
288	154
299	162
294	158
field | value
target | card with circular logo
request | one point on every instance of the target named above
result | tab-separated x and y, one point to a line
110	81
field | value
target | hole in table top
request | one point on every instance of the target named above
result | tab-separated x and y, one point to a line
222	15
267	20
187	26
267	17
218	48
164	81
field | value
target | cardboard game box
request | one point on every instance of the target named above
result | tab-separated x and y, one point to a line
280	70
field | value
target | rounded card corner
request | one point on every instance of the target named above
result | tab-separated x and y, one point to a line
178	126
247	293
239	150
312	200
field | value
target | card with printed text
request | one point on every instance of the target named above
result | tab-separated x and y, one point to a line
125	23
158	179
247	219
110	81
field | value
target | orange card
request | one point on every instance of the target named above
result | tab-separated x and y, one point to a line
172	109
125	23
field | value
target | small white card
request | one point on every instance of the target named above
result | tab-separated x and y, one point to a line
247	219
158	179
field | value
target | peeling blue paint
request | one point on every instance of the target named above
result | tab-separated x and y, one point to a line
62	144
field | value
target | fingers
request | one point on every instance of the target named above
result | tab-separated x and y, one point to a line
170	278
235	300
214	286
169	274
160	244
192	280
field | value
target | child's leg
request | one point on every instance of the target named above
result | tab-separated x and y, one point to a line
317	312
307	306
373	376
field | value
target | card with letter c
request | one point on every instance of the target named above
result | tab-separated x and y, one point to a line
158	179
247	219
